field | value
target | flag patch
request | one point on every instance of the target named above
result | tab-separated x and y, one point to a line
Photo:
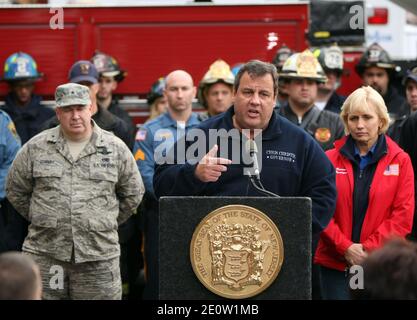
141	135
392	170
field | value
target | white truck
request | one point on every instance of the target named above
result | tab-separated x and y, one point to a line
393	27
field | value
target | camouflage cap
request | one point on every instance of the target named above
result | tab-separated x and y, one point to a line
71	94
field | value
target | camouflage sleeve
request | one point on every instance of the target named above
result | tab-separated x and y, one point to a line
129	188
19	183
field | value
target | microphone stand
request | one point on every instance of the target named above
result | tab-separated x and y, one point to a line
252	150
261	189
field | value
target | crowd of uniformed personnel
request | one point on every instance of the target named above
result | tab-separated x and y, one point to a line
307	98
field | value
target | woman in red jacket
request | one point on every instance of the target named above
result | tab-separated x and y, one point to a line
375	186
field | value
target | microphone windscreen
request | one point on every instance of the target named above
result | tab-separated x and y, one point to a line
250	146
247	146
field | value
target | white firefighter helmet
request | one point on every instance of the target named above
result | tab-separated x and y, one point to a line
219	71
303	65
330	58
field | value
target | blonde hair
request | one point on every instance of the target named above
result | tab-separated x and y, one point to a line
365	99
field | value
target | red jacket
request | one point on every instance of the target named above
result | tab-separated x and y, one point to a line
390	209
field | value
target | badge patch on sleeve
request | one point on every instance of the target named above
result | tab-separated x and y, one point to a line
139	155
12	129
323	135
141	135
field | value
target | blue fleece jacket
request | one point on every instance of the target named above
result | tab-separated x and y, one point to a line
293	164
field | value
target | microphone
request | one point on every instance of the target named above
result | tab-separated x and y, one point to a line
252	150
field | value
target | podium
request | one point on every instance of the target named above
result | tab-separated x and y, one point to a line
180	216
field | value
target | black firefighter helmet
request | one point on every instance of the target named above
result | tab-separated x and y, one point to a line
107	66
375	56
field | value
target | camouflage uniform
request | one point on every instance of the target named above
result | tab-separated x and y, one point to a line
74	206
61	280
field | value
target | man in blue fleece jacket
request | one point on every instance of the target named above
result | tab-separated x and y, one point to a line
291	162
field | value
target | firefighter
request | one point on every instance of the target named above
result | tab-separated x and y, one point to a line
282	54
410	105
215	90
331	60
157	102
110	75
410	84
302	74
376	69
408	133
23	106
25	109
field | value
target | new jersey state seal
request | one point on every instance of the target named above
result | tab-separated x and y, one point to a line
236	251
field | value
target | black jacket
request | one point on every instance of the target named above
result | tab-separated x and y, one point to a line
115	109
408	141
335	103
394	130
395	103
28	120
408	138
324	126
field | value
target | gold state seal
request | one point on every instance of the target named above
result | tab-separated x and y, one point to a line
236	251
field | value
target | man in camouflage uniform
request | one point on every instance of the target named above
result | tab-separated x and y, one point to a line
75	183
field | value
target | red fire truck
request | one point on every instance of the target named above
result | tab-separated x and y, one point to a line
151	41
